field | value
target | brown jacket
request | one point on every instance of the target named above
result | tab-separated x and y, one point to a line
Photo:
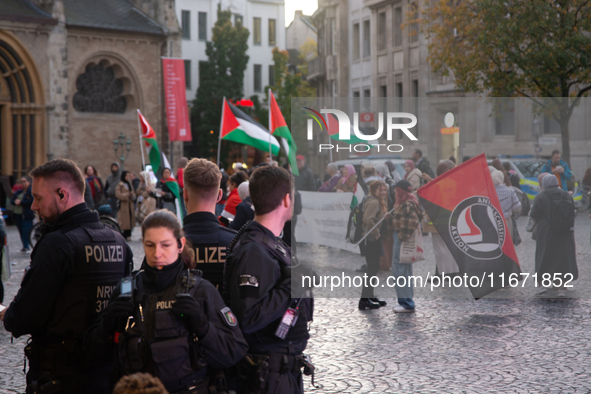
371	215
348	186
125	216
407	218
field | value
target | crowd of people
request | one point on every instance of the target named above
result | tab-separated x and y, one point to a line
211	307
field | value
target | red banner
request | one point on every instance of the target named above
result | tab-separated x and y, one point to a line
177	112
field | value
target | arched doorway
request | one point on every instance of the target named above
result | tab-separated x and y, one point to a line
22	109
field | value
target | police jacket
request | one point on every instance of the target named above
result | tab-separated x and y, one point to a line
74	268
259	292
210	242
179	358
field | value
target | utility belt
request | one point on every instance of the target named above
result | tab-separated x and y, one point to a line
52	361
53	356
255	368
199	388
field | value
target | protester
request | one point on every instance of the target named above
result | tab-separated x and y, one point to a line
559	169
126	196
509	202
229	212
496	163
2	258
259	283
407	217
305	182
244	210
146	203
166	199
393	172
111	187
370	174
422	164
555	246
387	240
94	183
413	175
349	180
513	177
332	170
219	207
139	383
65	287
189	328
23	215
374	209
444	260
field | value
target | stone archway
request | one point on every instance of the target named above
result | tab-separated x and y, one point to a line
22	109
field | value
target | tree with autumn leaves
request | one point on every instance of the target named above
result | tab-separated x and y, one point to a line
515	48
222	75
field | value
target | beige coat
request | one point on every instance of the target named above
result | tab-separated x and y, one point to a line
146	206
125	216
414	177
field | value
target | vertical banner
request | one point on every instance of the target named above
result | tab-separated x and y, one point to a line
177	112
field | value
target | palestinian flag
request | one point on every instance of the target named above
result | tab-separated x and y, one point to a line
239	127
464	207
173	186
149	137
279	128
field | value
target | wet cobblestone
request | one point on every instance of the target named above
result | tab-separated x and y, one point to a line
448	346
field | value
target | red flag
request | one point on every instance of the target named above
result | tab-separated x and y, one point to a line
465	209
177	112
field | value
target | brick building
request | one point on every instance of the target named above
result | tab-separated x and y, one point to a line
73	73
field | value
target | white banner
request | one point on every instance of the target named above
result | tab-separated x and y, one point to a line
324	219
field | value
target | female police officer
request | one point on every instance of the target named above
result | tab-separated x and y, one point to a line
166	319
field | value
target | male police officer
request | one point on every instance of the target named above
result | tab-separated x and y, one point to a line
75	266
259	291
210	240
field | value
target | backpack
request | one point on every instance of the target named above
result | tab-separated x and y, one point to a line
562	216
355	224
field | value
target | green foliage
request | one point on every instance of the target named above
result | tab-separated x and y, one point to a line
222	75
534	48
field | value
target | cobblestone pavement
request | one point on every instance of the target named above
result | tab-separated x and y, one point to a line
449	345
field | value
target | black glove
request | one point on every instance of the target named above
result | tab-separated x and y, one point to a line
118	310
190	310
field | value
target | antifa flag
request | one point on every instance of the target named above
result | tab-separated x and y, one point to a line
464	207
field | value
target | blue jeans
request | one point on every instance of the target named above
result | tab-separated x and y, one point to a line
24	227
405	293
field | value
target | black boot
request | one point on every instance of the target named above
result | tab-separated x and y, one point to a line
380	302
366	303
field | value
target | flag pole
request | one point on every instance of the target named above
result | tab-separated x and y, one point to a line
270	127
139	126
221	124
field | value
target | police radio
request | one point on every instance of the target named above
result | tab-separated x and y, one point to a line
289	319
126	287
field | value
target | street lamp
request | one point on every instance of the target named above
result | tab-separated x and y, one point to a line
121	142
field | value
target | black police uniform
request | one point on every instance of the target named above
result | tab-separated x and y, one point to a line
156	341
259	292
210	241
74	268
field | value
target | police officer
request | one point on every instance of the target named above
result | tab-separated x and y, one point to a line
166	319
74	268
259	288
209	239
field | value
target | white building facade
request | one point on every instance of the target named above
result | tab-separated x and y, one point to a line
264	19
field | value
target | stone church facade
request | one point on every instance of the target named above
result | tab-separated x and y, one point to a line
73	73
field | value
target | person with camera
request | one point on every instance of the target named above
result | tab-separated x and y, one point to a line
73	268
165	319
258	286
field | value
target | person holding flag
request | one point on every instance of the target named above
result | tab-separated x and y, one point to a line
168	186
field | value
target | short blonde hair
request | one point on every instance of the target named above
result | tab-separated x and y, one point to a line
202	177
